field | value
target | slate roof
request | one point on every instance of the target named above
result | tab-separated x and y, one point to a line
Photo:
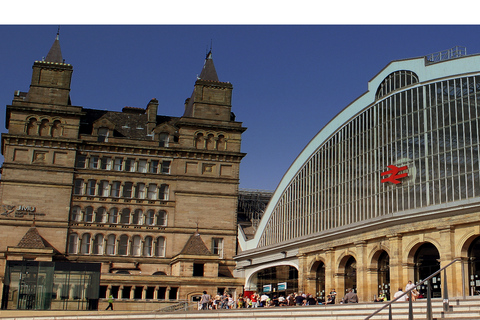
209	73
129	124
33	240
55	53
196	246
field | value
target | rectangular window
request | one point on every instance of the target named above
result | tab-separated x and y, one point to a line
140	191
103	188
94	162
152	192
91	187
198	269
153	166
217	247
106	163
118	164
166	167
80	162
129	165
127	190
78	187
142	165
115	192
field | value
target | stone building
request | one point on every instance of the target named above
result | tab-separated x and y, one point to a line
151	200
388	191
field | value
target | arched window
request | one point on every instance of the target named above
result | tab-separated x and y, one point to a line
125	216
76	214
102	134
73	243
88	215
160	247
147	246
199	141
137	216
113	215
221	143
396	80
44	128
210	142
85	247
123	245
162	218
150	218
98	244
111	241
101	216
136	246
163	139
32	126
56	129
163	192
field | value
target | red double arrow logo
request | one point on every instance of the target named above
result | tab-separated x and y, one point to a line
394	176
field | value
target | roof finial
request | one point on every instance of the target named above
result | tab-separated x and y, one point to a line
58	33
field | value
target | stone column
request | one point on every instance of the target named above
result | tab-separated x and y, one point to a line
155	293
447	253
362	283
132	292
330	282
396	258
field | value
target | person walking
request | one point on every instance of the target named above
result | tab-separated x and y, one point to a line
110	303
205	300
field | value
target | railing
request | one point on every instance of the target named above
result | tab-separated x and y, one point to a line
180	306
452	53
429	295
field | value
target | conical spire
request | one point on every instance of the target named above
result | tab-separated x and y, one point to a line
55	53
208	71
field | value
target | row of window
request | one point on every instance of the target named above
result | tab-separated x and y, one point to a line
125	245
121	164
116	189
121	246
115	216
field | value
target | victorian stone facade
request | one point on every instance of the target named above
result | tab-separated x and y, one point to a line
151	198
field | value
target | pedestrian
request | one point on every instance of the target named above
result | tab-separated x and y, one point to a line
254	298
398	294
350	297
299	299
110	303
240	301
205	300
414	291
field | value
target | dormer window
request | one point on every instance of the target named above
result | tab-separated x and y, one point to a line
163	139
102	134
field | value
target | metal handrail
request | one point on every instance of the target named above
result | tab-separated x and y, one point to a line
409	292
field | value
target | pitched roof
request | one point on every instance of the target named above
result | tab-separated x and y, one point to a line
32	239
208	72
55	53
196	246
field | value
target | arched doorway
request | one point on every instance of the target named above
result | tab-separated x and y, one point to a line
474	267
427	262
350	275
383	271
320	280
279	280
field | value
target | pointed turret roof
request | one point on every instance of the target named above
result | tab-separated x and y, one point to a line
55	53
33	240
196	246
208	71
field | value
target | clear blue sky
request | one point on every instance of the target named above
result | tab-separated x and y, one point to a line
288	80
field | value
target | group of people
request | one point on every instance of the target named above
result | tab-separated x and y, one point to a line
404	297
415	294
255	300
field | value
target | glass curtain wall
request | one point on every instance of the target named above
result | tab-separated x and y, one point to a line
432	129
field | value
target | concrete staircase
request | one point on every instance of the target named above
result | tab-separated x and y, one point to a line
460	309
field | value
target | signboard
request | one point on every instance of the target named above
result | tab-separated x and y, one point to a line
282	286
267	288
19	211
393	174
